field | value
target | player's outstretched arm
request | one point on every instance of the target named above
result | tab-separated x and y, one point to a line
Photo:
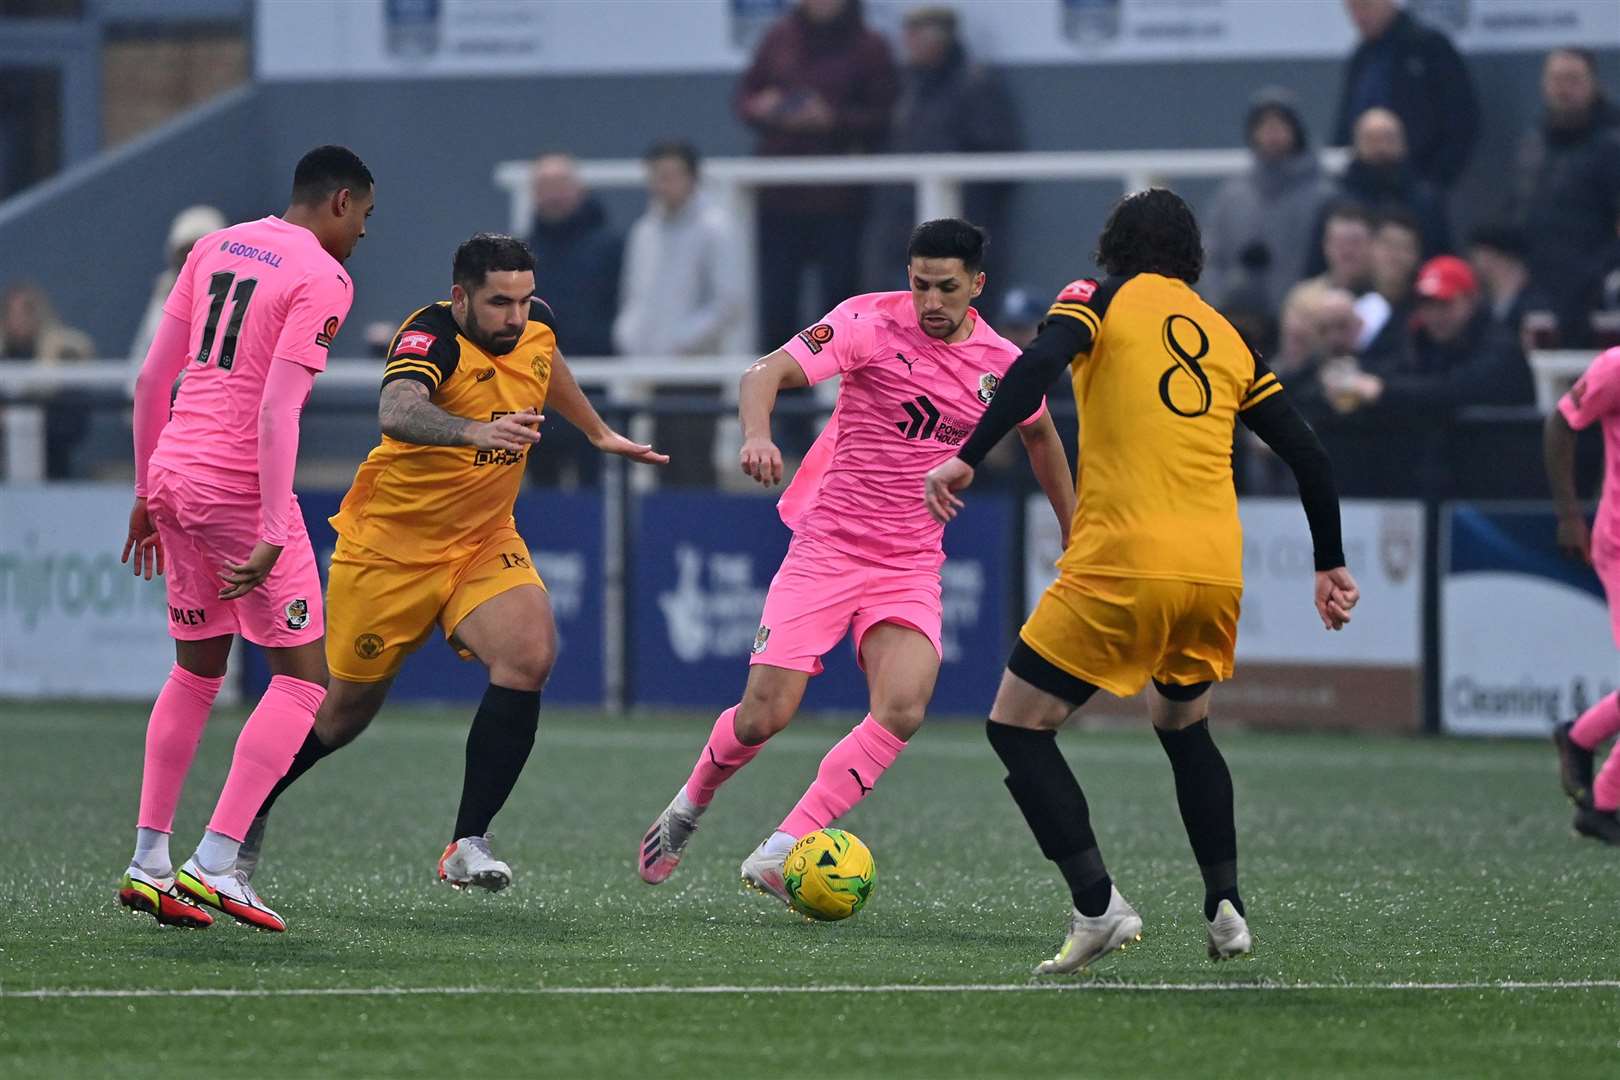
1050	464
569	400
1558	450
756	399
405	412
1281	427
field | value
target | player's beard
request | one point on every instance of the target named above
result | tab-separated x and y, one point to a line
941	331
490	343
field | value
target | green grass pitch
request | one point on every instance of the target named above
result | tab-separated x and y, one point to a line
1369	865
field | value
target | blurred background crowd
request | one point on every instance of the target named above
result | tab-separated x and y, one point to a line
1398	317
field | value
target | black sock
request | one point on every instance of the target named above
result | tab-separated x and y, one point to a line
497	747
1204	793
308	754
1050	797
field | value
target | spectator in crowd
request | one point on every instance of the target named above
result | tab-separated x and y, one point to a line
189	225
680	293
949	104
1386	312
1603	294
1381	179
1346	242
1459	355
1415	72
31	331
1569	186
1260	225
821	82
1019	317
1497	252
576	256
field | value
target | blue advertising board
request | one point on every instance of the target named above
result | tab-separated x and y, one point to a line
698	567
1525	638
564	533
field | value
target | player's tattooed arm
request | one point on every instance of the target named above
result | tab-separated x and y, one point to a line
406	413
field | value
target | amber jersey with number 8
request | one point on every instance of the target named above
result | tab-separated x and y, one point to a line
1158	393
428	504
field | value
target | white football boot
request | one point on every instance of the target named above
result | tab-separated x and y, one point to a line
1091	937
1228	933
228	892
467	862
762	870
666	838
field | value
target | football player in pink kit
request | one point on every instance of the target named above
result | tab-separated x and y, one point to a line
1595	398
918	370
249	320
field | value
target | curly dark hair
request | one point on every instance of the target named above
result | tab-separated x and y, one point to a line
483	252
1151	232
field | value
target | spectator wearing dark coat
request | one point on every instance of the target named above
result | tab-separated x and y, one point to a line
821	82
1569	186
1380	177
576	256
1414	71
1497	252
1260	225
949	104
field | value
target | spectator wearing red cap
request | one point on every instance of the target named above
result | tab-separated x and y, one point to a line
1460	355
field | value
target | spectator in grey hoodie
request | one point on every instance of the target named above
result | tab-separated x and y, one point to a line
1259	226
681	294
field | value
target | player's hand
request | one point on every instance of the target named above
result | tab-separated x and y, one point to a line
762	460
762	104
143	543
243	579
613	443
1336	594
1574	538
941	485
514	431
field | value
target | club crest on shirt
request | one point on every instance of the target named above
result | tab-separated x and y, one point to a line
989	383
540	366
328	332
761	638
298	614
817	336
368	646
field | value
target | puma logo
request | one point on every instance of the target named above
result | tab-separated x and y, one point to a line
722	768
858	783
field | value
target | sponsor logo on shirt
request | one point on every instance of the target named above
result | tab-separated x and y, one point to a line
1079	291
328	332
298	614
925	421
485	375
246	251
414	343
989	383
187	616
815	337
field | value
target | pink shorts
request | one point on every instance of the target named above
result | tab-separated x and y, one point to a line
203	528
819	592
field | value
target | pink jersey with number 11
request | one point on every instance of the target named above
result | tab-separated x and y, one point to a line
906	403
254	293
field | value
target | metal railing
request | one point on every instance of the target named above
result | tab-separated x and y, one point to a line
733	182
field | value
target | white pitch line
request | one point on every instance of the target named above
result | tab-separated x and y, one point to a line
895	988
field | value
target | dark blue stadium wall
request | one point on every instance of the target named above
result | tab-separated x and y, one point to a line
432	144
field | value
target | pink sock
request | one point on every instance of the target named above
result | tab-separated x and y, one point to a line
265	748
1597	723
1606	788
847	773
172	734
722	756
